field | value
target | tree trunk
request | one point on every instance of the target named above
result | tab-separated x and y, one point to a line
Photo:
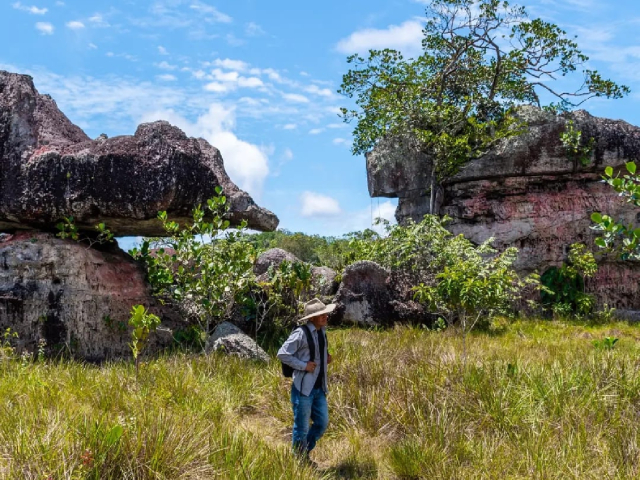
434	186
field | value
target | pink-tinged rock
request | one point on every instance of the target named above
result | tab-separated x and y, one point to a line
50	169
77	299
526	193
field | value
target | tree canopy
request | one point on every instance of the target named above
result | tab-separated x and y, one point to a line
480	60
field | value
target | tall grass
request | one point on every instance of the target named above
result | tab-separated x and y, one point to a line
536	401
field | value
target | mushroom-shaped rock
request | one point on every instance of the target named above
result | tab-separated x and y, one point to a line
49	169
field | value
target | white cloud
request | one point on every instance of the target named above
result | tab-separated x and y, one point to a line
233	40
216	87
98	20
229	64
45	28
32	10
75	25
340	141
337	125
253	30
213	14
287	155
93	46
167	77
295	97
323	92
250	82
225	76
406	37
166	66
316	131
318	205
290	126
162	50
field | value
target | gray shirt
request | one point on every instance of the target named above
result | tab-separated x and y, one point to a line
295	353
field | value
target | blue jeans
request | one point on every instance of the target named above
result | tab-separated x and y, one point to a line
308	408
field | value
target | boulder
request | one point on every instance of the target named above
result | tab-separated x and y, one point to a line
364	296
527	193
272	258
50	169
231	340
324	281
77	299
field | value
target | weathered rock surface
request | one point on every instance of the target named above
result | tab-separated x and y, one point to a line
526	193
75	298
231	340
50	169
364	296
323	279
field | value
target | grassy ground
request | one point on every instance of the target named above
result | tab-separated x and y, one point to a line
535	400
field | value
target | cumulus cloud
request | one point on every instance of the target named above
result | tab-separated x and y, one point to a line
318	205
290	126
316	131
45	28
211	13
166	66
295	97
247	164
162	50
406	37
314	89
229	64
32	10
252	29
75	25
167	77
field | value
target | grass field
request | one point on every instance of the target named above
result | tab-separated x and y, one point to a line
533	400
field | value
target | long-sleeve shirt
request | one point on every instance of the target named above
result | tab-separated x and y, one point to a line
295	353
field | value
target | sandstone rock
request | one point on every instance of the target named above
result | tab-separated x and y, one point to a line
364	296
50	169
323	279
526	193
272	258
231	340
75	298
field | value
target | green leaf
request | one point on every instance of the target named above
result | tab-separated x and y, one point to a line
596	217
608	171
631	167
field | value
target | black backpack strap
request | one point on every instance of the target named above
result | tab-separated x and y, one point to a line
310	342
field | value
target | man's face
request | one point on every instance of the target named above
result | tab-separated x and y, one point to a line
320	321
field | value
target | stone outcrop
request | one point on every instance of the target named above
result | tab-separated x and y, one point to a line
323	279
229	339
76	299
50	169
526	193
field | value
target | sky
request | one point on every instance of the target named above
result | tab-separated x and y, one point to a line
259	81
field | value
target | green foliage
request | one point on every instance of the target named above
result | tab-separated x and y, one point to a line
616	237
572	142
564	289
7	350
607	343
473	283
204	264
143	324
481	59
67	229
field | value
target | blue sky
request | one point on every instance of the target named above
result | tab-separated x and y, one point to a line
258	80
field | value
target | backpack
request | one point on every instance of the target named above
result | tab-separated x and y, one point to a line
287	371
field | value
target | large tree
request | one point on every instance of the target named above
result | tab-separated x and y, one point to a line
480	60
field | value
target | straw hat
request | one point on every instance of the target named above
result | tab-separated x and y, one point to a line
315	308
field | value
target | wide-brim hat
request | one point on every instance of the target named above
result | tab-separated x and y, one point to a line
315	308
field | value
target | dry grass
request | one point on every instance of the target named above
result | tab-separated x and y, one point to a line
536	401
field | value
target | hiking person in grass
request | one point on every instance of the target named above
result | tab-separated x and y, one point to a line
305	351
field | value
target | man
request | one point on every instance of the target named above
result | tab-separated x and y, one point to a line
309	388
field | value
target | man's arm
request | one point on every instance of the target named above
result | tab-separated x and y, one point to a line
287	351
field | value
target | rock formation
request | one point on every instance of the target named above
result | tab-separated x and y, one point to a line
229	339
526	193
50	169
76	299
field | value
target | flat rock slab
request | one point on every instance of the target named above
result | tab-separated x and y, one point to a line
50	169
231	340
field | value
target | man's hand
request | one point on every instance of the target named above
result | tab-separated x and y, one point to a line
311	366
328	358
